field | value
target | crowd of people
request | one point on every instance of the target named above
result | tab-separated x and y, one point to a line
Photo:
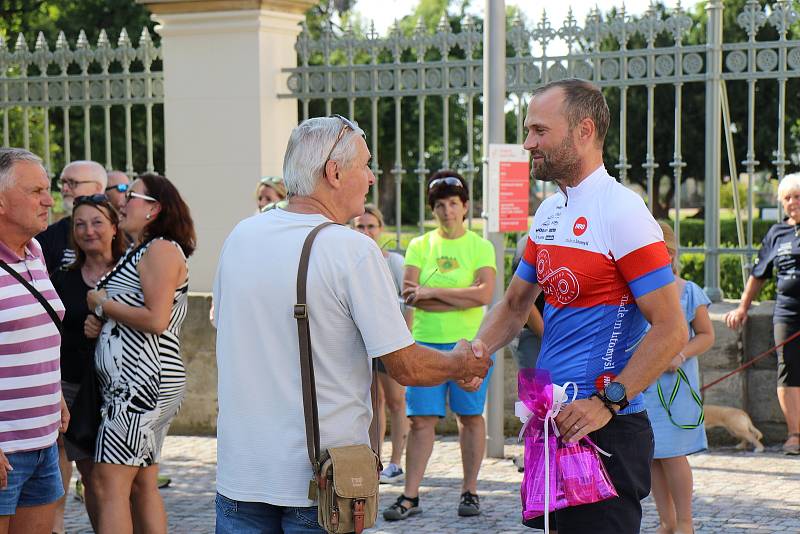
92	307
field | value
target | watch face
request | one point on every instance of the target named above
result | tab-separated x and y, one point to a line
615	391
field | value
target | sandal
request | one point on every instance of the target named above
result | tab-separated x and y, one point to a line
398	510
793	449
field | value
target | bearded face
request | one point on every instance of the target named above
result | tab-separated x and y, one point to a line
556	164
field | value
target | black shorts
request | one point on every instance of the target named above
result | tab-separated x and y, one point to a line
377	364
629	440
788	355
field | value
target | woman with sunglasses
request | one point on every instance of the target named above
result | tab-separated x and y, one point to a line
449	278
390	392
270	192
98	245
142	305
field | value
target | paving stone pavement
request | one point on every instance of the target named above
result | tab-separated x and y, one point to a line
735	492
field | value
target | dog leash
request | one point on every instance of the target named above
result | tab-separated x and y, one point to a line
751	362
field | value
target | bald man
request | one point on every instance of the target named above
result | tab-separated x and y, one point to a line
79	178
118	183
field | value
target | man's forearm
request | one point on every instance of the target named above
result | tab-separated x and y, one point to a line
657	349
500	326
417	365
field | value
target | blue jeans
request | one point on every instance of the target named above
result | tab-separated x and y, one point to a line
35	480
241	517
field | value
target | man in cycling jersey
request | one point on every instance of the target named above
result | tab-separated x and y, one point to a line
599	257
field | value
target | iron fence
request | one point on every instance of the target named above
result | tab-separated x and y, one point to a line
617	52
45	94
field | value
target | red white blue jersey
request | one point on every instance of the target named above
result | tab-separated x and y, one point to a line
594	250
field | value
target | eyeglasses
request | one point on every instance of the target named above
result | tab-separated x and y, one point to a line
347	123
269	180
119	187
132	194
72	183
99	198
447	180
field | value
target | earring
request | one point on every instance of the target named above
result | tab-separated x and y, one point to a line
147	217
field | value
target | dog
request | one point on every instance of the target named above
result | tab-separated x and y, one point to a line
736	422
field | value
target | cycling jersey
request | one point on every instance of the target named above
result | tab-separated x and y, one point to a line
593	250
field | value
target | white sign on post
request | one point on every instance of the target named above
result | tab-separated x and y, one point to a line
509	186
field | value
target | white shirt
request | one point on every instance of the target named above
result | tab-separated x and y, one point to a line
352	300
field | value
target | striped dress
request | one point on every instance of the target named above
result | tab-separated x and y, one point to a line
30	369
142	377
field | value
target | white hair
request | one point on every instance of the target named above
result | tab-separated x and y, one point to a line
788	183
90	170
309	144
8	157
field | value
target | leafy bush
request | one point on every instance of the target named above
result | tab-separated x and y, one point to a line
693	231
730	271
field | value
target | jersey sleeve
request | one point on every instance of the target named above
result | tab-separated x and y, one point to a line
766	256
637	245
527	265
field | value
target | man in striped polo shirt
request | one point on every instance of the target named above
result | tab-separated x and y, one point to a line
32	409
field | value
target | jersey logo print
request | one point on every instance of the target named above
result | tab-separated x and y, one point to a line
447	264
580	226
561	284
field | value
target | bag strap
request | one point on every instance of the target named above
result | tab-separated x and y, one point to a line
668	405
43	301
306	363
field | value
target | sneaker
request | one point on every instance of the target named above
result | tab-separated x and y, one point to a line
399	511
469	505
163	482
79	490
392	474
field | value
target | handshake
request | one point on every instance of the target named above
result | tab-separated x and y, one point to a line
474	363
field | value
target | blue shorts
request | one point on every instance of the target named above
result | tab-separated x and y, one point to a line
35	480
242	517
433	400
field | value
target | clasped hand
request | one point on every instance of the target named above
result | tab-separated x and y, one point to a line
475	365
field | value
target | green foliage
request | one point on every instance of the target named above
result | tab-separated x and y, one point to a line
692	231
693	268
726	194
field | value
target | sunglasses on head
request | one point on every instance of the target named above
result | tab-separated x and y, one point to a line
269	180
119	187
445	180
346	123
98	199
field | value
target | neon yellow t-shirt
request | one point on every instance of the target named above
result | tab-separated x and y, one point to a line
448	263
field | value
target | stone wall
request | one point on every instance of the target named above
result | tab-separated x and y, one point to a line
753	390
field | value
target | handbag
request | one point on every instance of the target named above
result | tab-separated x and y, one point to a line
345	478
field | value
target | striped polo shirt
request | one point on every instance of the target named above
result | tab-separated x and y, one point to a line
30	366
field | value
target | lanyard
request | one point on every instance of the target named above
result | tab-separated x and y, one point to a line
668	407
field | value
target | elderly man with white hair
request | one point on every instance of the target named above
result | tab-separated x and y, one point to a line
780	251
33	409
79	178
263	469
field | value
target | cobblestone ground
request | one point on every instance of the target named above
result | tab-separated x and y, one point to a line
735	492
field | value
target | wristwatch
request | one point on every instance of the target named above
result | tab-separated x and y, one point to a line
615	394
98	310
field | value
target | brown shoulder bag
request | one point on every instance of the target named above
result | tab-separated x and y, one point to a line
345	478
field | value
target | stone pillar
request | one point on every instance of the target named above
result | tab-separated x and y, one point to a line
225	126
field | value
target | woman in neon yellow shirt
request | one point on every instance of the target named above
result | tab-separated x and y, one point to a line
449	278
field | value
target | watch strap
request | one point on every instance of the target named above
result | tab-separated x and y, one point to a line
607	403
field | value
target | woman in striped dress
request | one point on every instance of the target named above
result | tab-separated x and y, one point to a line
141	305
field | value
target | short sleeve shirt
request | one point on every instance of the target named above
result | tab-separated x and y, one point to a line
354	316
594	250
780	251
448	263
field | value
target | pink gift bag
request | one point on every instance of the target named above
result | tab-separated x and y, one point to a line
557	474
